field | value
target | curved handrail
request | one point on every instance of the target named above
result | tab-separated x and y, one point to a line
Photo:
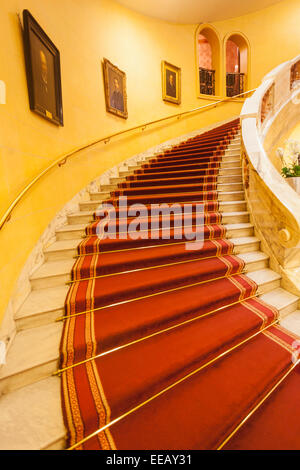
62	160
265	118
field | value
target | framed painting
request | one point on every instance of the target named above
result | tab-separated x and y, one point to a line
42	60
115	89
171	83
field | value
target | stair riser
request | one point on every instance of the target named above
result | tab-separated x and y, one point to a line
230	164
235	219
70	235
228	172
53	281
94	205
234	186
230	179
80	219
39	319
288	309
221	180
234	207
236	196
230	157
234	148
27	377
246	248
264	288
240	232
70	253
255	266
223	171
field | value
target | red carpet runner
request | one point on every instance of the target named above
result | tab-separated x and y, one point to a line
159	317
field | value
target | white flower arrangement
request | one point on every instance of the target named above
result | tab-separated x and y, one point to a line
290	158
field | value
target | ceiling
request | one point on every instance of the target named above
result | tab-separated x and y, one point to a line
196	11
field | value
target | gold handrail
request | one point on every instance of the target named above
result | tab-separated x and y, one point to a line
62	160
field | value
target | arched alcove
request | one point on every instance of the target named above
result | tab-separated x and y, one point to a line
208	60
237	54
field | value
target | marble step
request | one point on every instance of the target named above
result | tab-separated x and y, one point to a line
45	305
237	170
230	163
255	260
245	244
54	273
26	364
234	153
85	217
239	230
42	306
31	417
266	279
283	300
95	204
292	322
71	231
64	249
235	217
234	147
57	273
222	186
228	166
80	217
232	206
221	180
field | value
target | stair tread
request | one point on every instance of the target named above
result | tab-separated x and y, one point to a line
21	356
223	192
228	203
253	256
244	240
279	298
52	268
71	228
81	213
263	276
238	226
292	322
42	301
64	245
31	417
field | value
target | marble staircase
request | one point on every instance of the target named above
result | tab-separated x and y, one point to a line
30	408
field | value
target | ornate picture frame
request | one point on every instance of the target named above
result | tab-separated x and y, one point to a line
115	89
171	83
42	61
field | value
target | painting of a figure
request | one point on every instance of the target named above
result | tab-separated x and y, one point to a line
43	71
115	89
171	83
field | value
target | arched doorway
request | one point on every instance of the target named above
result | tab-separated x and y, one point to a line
237	64
208	60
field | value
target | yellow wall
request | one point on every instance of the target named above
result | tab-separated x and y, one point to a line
85	32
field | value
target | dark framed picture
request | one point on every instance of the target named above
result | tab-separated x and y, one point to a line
43	71
115	89
171	83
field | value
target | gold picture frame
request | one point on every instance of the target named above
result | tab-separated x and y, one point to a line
171	83
115	89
